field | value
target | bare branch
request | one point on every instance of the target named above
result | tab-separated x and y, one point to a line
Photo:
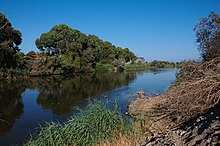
4	25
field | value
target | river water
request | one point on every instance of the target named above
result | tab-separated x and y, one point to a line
26	104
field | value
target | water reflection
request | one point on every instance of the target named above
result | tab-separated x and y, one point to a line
11	105
25	104
59	94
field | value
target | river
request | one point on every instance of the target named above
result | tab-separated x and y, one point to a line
26	104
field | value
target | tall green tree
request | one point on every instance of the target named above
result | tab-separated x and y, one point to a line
87	49
208	36
10	39
62	39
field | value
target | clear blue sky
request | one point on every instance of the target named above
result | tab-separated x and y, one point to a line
154	29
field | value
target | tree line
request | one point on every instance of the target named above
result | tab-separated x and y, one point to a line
86	52
68	50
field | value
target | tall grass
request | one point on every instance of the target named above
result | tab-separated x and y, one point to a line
92	126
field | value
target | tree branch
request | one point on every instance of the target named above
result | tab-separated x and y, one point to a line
4	25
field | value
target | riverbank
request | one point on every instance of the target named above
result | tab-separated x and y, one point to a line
188	113
53	98
95	125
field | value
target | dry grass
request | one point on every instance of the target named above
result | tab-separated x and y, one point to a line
196	91
122	140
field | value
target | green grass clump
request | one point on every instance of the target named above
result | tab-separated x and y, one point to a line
91	126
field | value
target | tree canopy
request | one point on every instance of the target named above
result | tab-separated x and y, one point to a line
208	36
87	49
10	39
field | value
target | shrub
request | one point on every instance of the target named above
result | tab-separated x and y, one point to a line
100	67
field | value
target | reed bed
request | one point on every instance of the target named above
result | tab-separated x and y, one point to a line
91	126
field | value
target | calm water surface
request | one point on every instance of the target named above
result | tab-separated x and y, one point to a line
24	105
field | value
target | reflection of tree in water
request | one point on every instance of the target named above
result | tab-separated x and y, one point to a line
60	94
56	93
11	105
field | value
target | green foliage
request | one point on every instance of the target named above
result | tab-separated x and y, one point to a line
21	62
103	68
68	58
128	55
89	127
208	36
77	62
16	72
149	65
139	63
10	39
162	64
31	53
85	49
13	73
134	67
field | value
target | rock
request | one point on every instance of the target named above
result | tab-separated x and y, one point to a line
141	94
209	140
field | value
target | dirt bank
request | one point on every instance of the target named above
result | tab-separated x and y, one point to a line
188	113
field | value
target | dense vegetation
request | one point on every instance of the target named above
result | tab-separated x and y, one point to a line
161	64
151	65
11	60
91	126
80	51
10	39
62	50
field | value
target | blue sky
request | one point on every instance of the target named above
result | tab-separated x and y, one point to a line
154	29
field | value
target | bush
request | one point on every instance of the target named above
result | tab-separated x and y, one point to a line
102	68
